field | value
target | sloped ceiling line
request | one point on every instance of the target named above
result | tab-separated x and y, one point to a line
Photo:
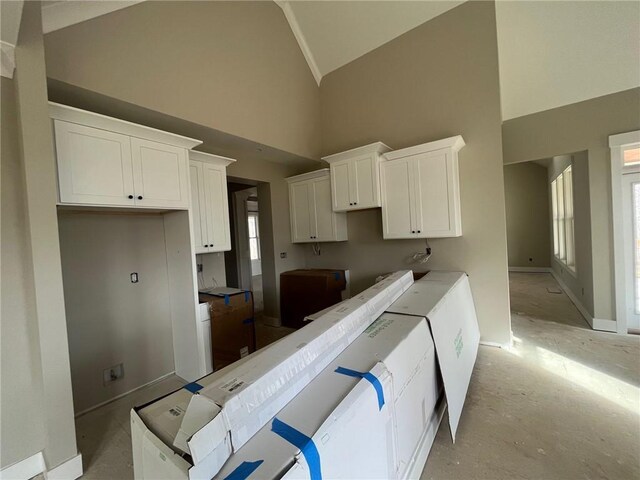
302	42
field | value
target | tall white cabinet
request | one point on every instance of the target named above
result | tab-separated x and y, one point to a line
355	177
312	217
421	192
209	202
103	161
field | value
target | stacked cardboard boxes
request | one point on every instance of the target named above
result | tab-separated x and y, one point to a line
368	408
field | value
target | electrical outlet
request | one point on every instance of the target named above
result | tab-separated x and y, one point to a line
283	254
134	277
199	267
112	374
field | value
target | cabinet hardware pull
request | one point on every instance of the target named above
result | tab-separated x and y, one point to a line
139	197
418	231
413	231
130	197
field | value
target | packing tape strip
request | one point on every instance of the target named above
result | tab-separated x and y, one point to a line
303	443
244	470
247	294
193	387
226	299
367	376
247	321
336	275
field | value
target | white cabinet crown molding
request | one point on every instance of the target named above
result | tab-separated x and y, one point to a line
454	143
323	172
82	117
210	158
376	147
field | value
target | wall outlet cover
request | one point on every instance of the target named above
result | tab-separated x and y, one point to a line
112	374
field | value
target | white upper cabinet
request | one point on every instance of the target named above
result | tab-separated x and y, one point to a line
94	166
355	177
209	202
420	191
312	218
103	161
160	174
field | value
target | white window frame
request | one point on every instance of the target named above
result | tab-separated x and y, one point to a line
563	220
254	215
618	144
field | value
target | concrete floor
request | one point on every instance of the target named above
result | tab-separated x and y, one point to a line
563	403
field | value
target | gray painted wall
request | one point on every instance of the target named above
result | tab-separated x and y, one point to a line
21	397
437	80
109	319
526	193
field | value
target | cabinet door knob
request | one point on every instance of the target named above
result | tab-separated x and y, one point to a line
139	197
130	197
355	203
413	231
418	231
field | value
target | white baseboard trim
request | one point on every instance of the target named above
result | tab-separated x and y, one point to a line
530	269
69	470
600	324
107	402
578	304
495	344
25	469
605	325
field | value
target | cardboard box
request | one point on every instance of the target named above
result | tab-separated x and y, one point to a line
155	427
445	299
245	396
232	325
303	292
357	428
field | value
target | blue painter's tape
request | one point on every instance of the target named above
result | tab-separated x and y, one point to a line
193	387
303	443
247	295
226	299
336	275
367	376
247	321
244	470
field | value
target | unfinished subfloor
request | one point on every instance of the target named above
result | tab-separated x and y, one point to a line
563	403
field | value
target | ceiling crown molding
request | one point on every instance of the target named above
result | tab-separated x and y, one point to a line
61	14
8	63
302	42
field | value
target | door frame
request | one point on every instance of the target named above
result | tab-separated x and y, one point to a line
617	143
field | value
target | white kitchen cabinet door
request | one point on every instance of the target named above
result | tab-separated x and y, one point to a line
215	190
398	216
341	186
324	230
302	212
94	166
366	182
160	174
434	194
310	207
198	207
420	191
355	177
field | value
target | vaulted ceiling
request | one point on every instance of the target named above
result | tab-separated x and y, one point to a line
550	53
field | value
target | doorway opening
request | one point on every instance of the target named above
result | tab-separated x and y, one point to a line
243	263
549	241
